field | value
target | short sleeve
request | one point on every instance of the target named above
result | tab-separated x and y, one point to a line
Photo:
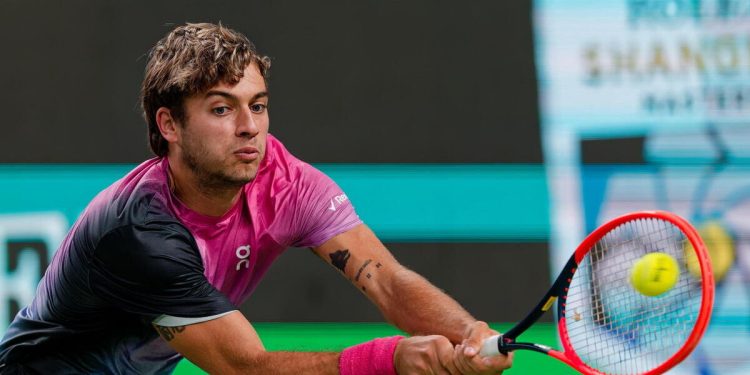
324	210
153	271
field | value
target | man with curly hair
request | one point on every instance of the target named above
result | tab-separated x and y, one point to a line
155	267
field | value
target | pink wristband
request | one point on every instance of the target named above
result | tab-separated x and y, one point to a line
370	358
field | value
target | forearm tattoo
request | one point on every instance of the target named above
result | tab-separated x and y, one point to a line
168	333
364	265
339	258
367	274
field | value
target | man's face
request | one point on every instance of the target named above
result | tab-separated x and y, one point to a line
223	137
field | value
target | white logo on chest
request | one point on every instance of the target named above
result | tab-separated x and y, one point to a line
243	252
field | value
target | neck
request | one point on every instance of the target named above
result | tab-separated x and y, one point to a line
199	195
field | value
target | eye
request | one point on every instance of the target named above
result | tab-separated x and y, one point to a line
258	108
220	111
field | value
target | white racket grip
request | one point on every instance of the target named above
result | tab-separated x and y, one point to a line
489	347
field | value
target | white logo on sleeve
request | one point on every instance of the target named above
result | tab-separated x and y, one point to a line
243	252
337	201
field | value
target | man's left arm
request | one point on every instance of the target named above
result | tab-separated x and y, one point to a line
405	298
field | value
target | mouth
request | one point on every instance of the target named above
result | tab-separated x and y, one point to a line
247	154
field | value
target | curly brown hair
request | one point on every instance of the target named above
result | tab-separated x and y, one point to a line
191	59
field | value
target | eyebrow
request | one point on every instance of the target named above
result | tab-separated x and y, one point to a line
229	96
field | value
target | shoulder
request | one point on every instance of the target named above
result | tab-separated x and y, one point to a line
135	201
304	206
285	176
283	165
130	199
157	251
279	159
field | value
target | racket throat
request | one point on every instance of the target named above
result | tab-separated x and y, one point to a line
559	288
507	345
503	345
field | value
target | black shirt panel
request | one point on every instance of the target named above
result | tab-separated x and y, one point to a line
145	269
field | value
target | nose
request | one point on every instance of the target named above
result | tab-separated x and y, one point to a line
247	124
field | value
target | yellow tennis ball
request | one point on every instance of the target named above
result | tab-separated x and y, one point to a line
720	246
654	274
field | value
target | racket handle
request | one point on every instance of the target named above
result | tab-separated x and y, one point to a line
490	346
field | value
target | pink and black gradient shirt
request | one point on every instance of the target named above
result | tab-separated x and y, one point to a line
138	256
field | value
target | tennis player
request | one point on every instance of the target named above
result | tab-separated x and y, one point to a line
156	265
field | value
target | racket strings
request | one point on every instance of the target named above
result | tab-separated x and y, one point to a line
610	325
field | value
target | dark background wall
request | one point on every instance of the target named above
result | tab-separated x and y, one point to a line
352	82
493	281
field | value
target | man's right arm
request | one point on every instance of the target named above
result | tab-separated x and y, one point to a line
163	279
230	345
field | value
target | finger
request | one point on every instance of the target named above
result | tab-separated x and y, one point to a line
461	361
451	368
436	367
479	332
446	356
493	363
473	365
479	364
443	355
469	350
508	360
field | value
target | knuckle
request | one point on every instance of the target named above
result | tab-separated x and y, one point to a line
443	340
481	324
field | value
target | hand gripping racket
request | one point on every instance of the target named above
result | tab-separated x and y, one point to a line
606	326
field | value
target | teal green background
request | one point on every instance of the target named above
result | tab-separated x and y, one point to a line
401	202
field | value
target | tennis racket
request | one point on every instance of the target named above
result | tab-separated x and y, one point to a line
606	326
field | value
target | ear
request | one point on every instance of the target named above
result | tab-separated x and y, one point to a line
167	124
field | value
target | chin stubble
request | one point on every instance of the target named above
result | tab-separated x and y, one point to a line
210	178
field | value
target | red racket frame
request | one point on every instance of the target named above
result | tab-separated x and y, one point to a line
569	356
